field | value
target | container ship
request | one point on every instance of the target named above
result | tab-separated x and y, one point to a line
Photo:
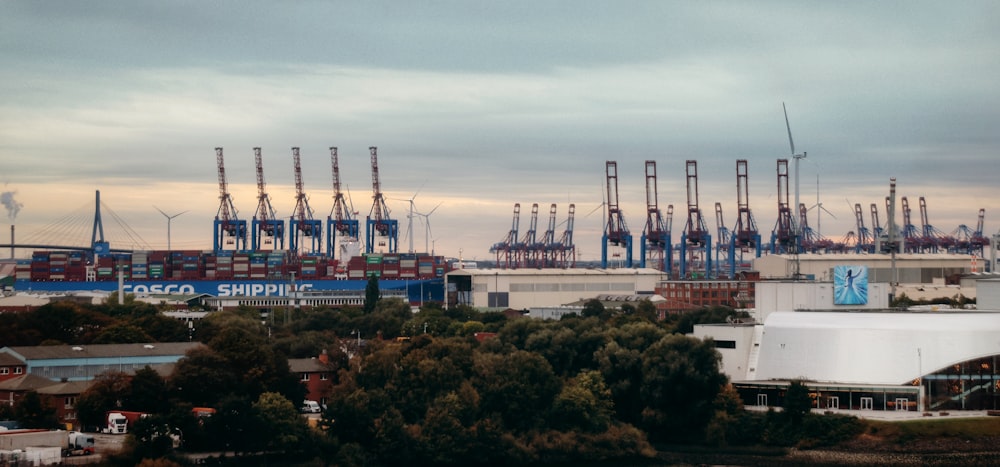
229	273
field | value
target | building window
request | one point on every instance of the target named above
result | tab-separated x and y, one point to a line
323	377
69	402
4	371
305	376
18	370
725	344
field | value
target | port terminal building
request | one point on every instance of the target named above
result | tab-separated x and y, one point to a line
861	356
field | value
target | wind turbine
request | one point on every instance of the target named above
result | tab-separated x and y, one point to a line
797	157
169	218
819	207
409	217
427	226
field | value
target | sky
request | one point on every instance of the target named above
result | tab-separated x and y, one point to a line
476	106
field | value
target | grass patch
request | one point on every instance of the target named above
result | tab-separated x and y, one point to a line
921	429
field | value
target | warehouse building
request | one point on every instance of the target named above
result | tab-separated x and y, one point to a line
524	289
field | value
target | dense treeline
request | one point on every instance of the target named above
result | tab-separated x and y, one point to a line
606	384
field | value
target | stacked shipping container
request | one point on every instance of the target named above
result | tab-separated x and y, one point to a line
188	265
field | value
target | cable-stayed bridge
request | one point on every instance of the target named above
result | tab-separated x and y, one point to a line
82	230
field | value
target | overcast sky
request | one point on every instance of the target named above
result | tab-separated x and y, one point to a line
479	105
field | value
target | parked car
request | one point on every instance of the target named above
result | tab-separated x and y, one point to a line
310	407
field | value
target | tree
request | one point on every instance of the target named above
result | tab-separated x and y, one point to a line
278	416
593	308
517	387
202	377
372	294
32	412
148	392
797	402
122	334
584	404
162	329
680	381
109	391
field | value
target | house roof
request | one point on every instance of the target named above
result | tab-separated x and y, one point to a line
54	352
307	365
28	382
65	387
7	359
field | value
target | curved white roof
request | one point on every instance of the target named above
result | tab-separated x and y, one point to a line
872	347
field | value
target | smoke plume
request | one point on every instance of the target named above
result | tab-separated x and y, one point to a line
7	198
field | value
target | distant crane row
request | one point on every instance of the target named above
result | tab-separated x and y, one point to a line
527	251
791	233
305	232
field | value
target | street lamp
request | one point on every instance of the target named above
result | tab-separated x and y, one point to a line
920	380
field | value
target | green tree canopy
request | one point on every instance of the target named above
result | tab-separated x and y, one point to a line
32	412
110	390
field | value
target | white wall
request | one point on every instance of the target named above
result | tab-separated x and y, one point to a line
734	361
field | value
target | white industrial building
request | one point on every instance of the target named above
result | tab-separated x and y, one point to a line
923	268
861	357
523	289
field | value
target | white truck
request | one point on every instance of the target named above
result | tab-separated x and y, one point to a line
118	421
25	444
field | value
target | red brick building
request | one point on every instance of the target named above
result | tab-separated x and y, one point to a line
11	367
316	374
686	295
59	395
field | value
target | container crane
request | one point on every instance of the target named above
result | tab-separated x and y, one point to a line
783	236
933	239
544	250
911	236
864	243
745	233
567	250
811	240
267	231
616	232
504	248
970	241
379	227
342	223
877	230
724	246
655	242
302	224
228	228
523	247
695	236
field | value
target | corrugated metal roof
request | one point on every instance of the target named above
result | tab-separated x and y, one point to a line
48	352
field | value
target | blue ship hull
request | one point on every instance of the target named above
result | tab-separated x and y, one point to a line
417	289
